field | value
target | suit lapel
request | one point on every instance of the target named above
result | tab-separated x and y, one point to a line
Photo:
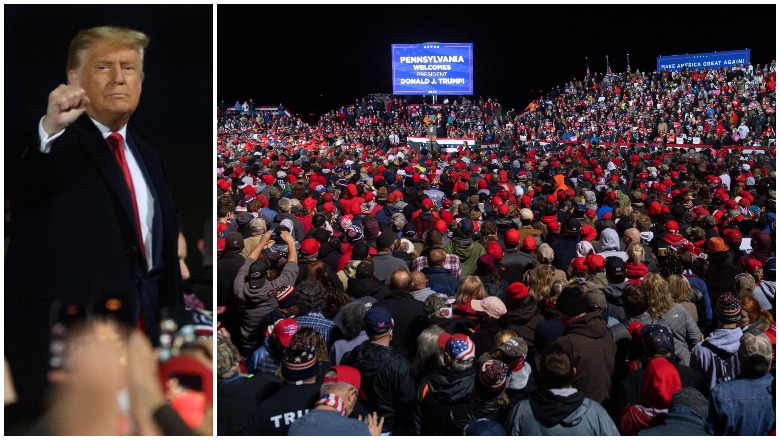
98	150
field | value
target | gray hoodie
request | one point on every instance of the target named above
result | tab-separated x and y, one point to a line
589	418
723	343
610	245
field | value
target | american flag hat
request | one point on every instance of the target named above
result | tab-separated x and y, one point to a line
460	348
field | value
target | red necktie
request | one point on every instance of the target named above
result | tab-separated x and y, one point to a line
116	142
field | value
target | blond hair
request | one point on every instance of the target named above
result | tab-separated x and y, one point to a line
503	335
680	288
539	280
636	252
470	288
117	35
659	297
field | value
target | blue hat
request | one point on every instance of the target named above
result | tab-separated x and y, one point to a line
484	427
658	339
378	321
466	225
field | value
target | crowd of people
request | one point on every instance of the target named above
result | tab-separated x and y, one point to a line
367	288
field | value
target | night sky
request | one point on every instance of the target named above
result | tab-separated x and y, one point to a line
295	53
177	108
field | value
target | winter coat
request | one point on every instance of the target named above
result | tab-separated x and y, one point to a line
681	421
516	263
387	379
614	295
564	249
441	280
360	287
685	331
383	217
468	251
560	412
448	387
254	304
523	317
590	345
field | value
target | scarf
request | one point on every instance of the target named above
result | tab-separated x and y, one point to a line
333	401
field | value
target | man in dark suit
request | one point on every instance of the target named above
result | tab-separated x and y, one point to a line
98	220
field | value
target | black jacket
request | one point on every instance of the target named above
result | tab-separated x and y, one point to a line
516	263
360	287
448	387
387	379
407	314
523	316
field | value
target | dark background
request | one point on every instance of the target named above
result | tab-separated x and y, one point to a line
176	111
295	53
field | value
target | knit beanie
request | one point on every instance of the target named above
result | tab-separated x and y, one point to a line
299	360
491	379
728	308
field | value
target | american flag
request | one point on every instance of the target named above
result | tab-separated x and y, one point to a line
628	64
609	69
460	347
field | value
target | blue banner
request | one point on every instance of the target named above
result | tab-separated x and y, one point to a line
433	69
709	60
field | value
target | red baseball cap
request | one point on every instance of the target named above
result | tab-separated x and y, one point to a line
285	329
345	374
517	290
529	243
595	262
311	246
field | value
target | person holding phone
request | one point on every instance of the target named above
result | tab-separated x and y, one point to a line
255	289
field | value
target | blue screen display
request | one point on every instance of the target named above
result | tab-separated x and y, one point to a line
433	69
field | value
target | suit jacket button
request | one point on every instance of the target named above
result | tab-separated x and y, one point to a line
131	250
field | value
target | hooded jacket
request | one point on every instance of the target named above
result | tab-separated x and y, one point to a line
468	251
387	381
330	254
384	215
610	245
523	317
448	387
614	295
254	304
561	412
723	344
635	272
590	345
661	381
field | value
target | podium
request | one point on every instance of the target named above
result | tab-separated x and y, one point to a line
431	133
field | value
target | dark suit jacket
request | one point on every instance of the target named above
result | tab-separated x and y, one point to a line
73	238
